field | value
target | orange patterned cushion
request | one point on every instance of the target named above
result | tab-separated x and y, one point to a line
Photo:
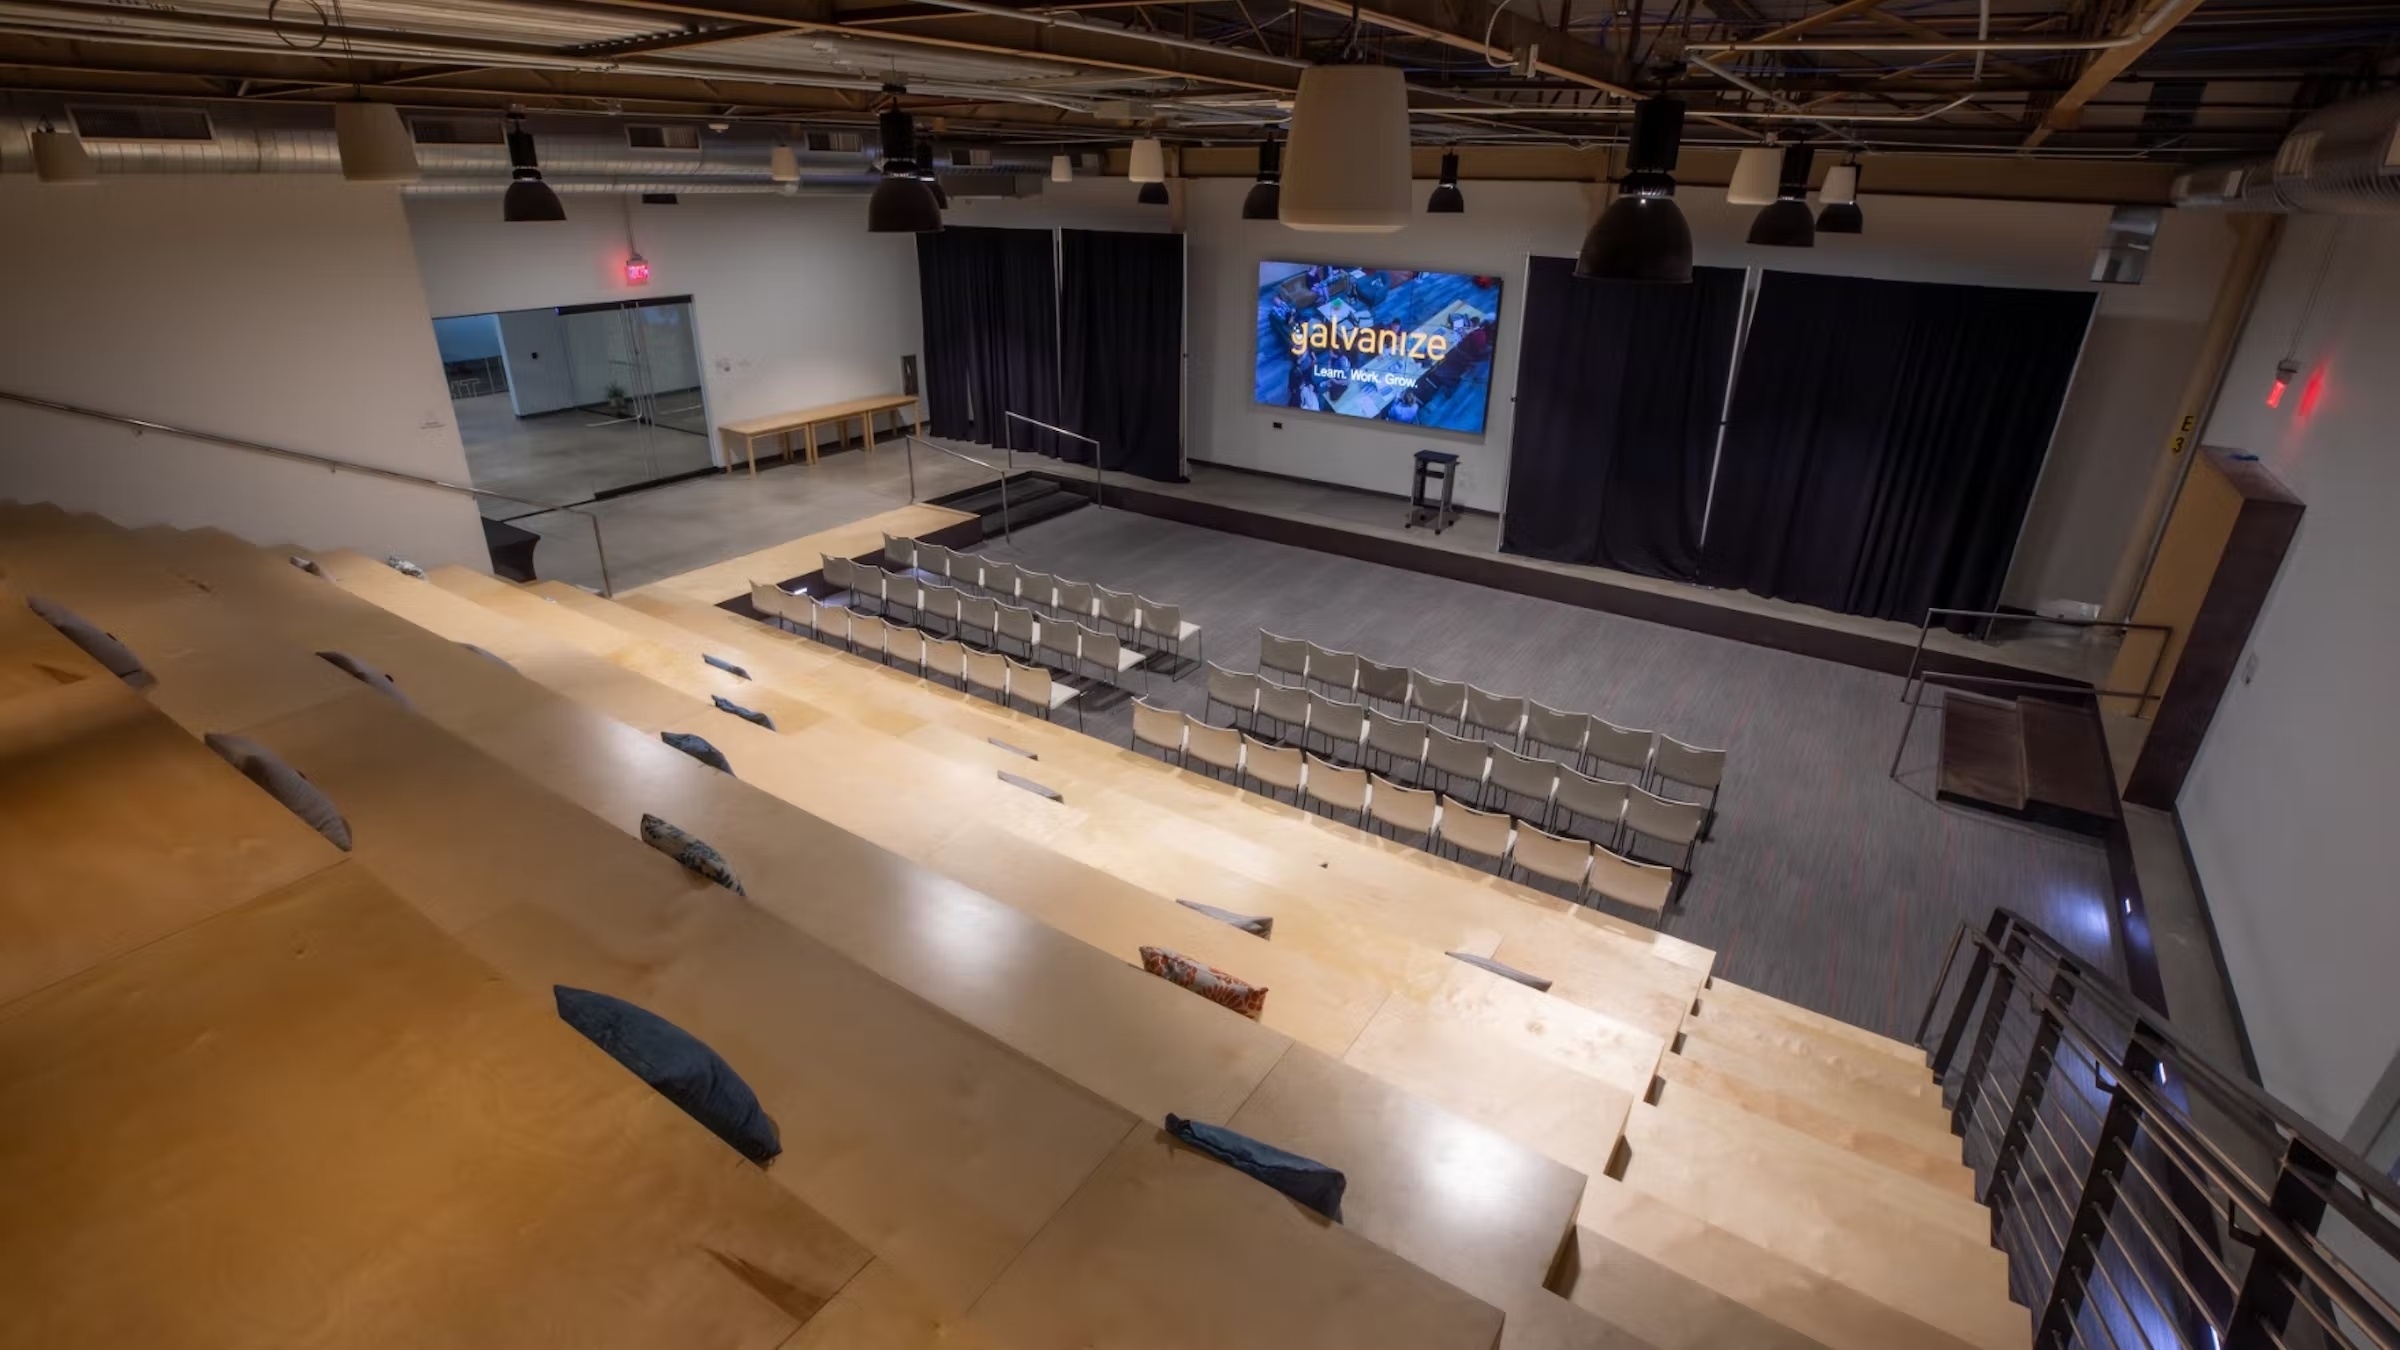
1207	981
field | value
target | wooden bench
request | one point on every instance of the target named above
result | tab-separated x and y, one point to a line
807	420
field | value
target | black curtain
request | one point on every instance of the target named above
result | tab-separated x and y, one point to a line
991	330
1121	348
1884	440
1619	388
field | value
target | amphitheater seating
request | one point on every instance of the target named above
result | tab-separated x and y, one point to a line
929	985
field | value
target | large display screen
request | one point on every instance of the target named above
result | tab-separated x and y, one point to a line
1393	346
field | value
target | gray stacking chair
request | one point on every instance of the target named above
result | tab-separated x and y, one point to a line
1622	747
1287	656
966	569
1598	800
1343	726
1638	885
1160	727
841	574
939	602
1398	808
1076	600
1673	823
1335	788
902	592
947	659
1689	766
1037	590
1438	698
982	614
1455	758
1547	855
773	602
1218	748
1166	622
899	554
831	622
1383	684
987	672
1462	829
1056	642
1272	768
1236	689
903	646
1548	728
1016	625
1032	684
1503	717
1122	609
1516	776
1333	670
1398	742
999	579
1286	705
1104	653
866	635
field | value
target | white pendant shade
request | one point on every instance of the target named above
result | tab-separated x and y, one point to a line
1062	169
1346	167
782	165
1148	163
374	144
59	157
1841	185
1755	175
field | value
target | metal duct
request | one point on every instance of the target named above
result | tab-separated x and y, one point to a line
2342	160
2237	185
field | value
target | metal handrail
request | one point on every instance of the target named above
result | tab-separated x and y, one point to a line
1099	482
1912	685
908	443
143	424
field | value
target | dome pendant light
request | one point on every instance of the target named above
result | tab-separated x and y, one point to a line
1152	194
374	146
1642	235
1266	195
1348	161
1786	223
528	197
902	203
59	157
1841	214
1754	175
1446	199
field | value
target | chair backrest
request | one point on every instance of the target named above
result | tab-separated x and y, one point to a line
932	559
1669	822
839	572
1397	737
987	670
1389	683
1675	762
769	600
945	657
1600	799
1459	756
1484	832
1030	683
1016	623
1337	787
903	643
1274	765
905	591
1000	578
964	568
1326	666
1075	597
1100	649
1492	712
1402	808
1284	702
939	601
1567	860
1559	730
979	611
1625	747
1122	608
1220	747
899	552
1289	655
1641	885
1523	775
1236	687
1335	718
866	632
1159	726
1037	588
1164	620
1438	698
1058	635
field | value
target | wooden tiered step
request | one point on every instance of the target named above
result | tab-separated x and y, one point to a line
2030	758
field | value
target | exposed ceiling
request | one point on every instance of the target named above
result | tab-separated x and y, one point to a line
2165	79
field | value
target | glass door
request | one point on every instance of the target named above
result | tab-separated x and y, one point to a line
635	372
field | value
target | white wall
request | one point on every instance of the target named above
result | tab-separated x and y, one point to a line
2287	807
795	303
541	371
2116	417
277	309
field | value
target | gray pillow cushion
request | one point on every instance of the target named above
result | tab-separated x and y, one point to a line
1256	925
101	647
698	748
1306	1180
676	1063
1502	969
724	665
285	784
308	565
488	656
726	705
691	852
404	567
369	676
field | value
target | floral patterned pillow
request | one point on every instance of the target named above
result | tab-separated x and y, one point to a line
1207	981
689	851
404	567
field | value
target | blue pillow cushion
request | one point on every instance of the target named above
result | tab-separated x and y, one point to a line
678	1064
726	705
691	852
285	784
698	748
369	676
1306	1180
104	648
1503	970
1256	925
724	665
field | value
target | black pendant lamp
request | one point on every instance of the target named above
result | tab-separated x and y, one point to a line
1265	201
1642	235
925	175
1152	194
1786	222
902	203
1446	199
528	197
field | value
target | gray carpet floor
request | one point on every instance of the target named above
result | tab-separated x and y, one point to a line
1826	882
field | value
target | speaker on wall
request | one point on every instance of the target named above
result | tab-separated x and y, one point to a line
908	374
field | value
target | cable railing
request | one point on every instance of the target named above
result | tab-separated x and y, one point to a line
909	441
2147	1197
1912	687
142	425
1099	484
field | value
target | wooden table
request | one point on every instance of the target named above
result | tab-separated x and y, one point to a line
807	420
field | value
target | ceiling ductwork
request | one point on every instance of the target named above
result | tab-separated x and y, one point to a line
2342	160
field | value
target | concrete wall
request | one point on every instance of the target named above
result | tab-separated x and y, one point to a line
2286	807
276	309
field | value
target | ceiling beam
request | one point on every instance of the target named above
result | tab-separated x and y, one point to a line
1462	24
1819	19
2143	28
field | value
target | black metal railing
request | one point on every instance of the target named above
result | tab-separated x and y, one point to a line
2147	1198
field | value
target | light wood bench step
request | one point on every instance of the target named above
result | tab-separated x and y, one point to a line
1732	997
1930	1160
1793	1076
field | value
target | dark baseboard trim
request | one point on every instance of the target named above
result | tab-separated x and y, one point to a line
2216	949
1400	497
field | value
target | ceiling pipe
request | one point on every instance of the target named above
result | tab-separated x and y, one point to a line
1052	19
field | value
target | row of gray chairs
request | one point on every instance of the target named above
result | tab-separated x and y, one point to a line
1444	822
992	673
1135	618
1071	646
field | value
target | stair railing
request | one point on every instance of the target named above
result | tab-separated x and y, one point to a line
1914	684
909	441
143	425
2146	1196
1099	484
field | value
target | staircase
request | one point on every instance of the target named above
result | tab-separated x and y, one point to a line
1029	498
2031	758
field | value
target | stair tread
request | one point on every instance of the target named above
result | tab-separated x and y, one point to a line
1727	996
1920	1157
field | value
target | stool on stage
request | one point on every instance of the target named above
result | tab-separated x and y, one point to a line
1433	466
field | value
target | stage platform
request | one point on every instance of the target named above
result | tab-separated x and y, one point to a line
798	557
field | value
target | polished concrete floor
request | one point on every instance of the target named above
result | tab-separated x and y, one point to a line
565	456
